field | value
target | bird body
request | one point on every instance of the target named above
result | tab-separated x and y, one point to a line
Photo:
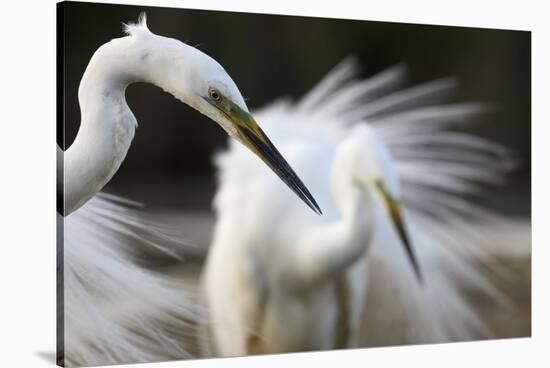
381	162
289	266
101	234
279	277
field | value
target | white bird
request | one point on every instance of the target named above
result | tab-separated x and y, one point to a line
382	162
101	232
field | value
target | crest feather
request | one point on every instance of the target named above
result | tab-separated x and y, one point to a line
137	29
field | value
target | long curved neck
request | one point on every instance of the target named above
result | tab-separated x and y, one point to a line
355	205
328	250
352	232
352	196
107	123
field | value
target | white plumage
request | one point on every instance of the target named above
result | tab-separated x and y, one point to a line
279	278
116	311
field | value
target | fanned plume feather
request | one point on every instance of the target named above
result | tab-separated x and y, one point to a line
115	310
442	173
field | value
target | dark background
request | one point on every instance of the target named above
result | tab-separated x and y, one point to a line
271	56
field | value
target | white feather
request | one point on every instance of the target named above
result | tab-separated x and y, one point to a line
116	311
441	173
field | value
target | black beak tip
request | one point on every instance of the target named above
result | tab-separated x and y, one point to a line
303	193
301	190
409	249
316	209
273	158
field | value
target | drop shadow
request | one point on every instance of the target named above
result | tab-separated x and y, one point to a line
48	356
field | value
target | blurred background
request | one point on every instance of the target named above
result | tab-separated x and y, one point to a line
169	165
271	56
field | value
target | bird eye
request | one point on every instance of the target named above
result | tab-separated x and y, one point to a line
214	94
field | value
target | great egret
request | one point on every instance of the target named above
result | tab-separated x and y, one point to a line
287	280
97	272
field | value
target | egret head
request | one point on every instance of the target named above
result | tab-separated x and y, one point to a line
202	83
217	97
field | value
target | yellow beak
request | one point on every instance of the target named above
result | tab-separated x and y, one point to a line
251	135
394	210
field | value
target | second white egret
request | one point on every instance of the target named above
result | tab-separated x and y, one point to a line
388	173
